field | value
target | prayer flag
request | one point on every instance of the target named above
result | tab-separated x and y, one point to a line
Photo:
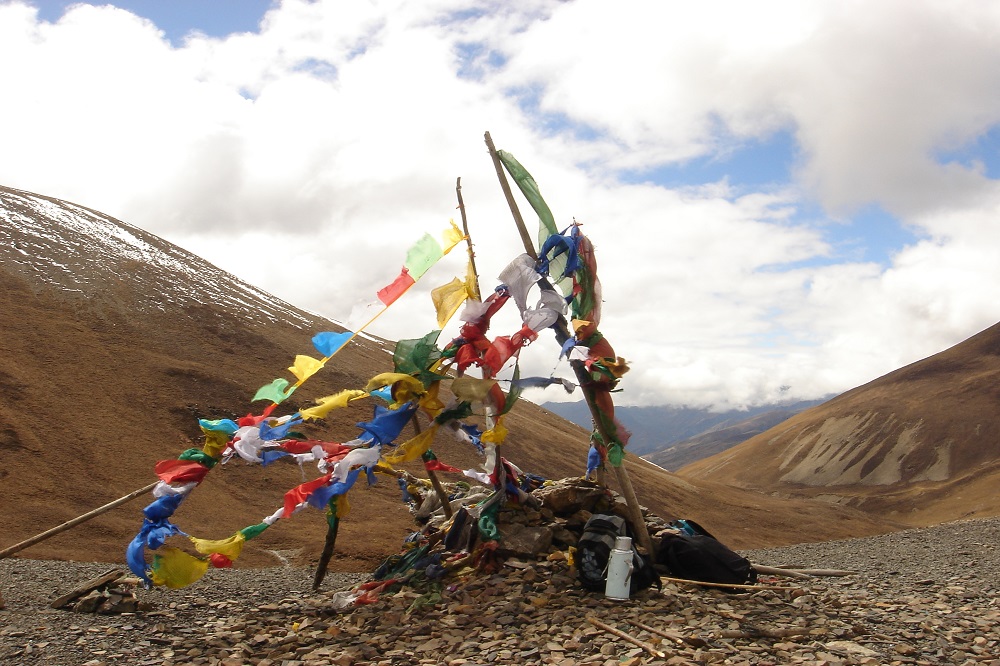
448	298
325	405
305	367
389	293
329	344
425	253
277	391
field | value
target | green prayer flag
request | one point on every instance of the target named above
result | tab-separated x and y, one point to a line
275	391
253	530
414	357
199	456
425	253
529	188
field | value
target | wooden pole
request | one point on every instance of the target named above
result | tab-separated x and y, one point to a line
583	378
438	488
7	552
648	647
328	545
468	238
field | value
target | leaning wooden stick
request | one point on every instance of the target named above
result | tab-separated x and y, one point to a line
438	488
582	376
775	571
727	586
680	639
333	524
7	552
648	647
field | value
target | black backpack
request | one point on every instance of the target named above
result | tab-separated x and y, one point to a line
704	558
593	551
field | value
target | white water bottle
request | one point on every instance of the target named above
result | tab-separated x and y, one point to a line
619	570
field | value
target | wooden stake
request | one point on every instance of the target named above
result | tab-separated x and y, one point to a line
438	488
680	639
583	378
775	571
648	647
7	552
328	546
724	585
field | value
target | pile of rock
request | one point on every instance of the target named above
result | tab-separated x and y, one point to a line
111	593
553	521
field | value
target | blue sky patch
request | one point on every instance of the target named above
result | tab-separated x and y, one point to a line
177	18
748	165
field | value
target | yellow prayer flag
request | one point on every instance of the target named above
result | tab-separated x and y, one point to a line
327	404
451	237
343	506
448	298
471	389
215	442
231	547
389	378
305	367
429	401
412	448
497	434
175	568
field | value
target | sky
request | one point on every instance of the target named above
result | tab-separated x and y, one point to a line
788	198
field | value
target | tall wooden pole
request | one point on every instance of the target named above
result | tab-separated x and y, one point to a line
562	335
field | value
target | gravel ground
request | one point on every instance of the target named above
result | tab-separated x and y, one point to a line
926	596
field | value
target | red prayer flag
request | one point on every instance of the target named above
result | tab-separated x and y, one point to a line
300	494
438	466
389	293
180	471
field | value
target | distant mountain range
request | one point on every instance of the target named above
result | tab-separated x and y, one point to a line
672	437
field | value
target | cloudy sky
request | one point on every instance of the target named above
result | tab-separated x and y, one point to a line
788	198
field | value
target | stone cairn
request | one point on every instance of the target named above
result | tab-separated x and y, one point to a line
111	593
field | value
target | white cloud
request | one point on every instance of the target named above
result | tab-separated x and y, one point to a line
307	157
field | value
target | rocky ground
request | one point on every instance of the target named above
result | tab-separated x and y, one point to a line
927	596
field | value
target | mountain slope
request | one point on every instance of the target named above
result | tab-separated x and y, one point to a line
921	444
113	343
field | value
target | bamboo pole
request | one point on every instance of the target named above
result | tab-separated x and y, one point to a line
562	335
7	552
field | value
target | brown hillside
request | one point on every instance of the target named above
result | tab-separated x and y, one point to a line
113	343
921	444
